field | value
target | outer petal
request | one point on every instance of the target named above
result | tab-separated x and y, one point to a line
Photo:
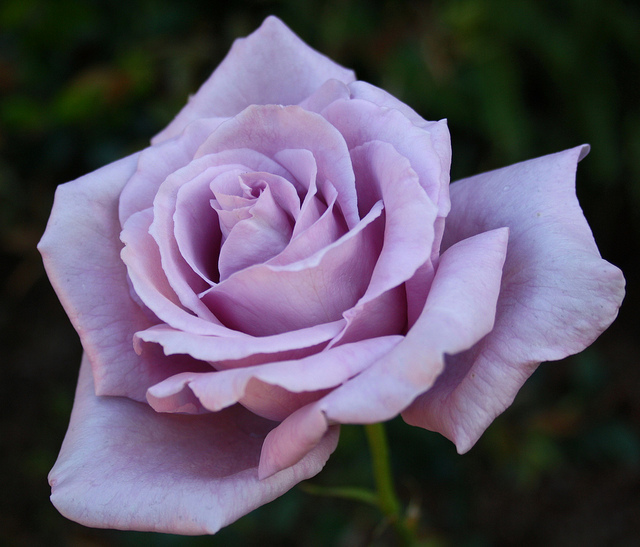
271	66
330	91
299	379
459	311
124	466
80	244
557	293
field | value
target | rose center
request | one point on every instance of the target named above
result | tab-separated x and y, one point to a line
256	217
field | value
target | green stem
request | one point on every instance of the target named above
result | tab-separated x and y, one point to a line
387	498
379	447
384	497
347	493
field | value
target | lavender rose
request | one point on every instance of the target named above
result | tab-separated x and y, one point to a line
277	263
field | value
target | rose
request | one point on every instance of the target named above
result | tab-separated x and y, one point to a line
295	260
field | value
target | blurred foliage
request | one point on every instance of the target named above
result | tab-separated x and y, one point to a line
84	83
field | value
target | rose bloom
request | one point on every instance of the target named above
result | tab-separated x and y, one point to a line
288	256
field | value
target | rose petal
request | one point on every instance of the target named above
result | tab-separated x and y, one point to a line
292	440
266	299
441	143
417	289
270	66
302	165
80	244
427	148
197	229
149	281
264	234
327	226
219	349
459	311
557	293
418	286
328	92
124	466
218	390
156	163
283	192
186	282
271	129
383	174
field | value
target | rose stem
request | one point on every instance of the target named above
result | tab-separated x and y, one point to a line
387	500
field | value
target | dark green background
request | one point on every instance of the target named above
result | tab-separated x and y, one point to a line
84	83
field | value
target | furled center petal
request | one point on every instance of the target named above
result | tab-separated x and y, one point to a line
256	218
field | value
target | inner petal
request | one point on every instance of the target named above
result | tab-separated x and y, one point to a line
268	299
272	129
257	222
183	262
255	239
318	226
197	230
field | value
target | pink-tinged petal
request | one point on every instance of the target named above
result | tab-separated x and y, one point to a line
302	165
326	229
81	253
383	174
197	230
124	466
330	91
270	66
156	163
427	148
267	230
380	97
440	138
316	212
557	293
299	381
292	440
460	311
267	299
271	129
231	352
142	258
186	282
